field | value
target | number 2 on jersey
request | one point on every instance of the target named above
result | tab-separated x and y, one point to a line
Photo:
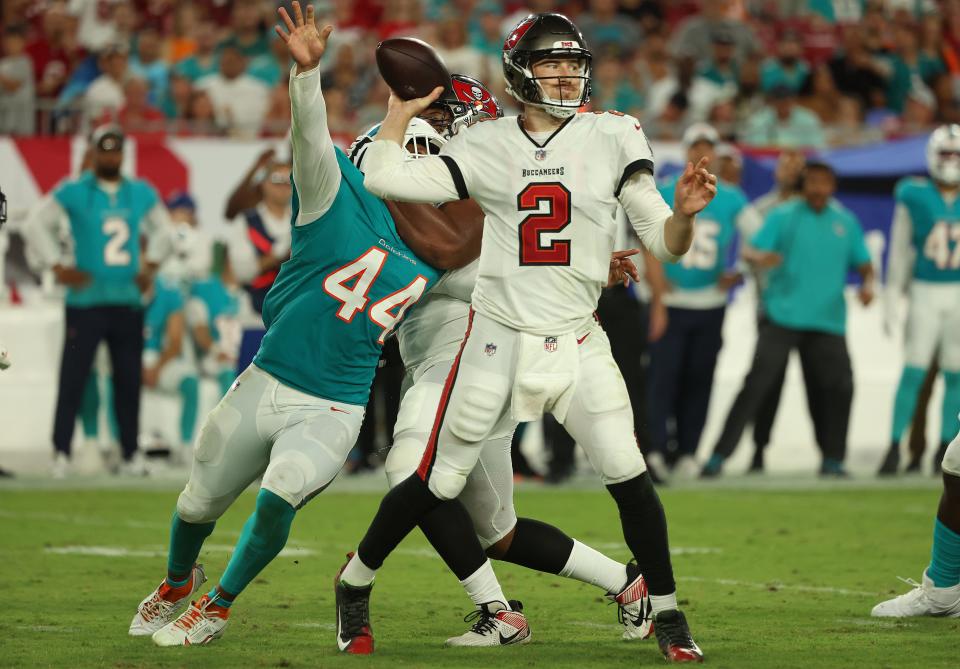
937	245
114	253
387	311
554	219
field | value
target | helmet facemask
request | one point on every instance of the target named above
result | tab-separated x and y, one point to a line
536	90
421	140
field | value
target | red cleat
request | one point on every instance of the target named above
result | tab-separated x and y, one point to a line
674	638
354	634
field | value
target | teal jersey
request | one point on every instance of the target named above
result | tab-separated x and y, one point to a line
714	232
935	230
167	300
347	284
219	300
106	230
806	291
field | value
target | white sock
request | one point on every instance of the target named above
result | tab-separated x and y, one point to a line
593	567
482	587
663	602
356	573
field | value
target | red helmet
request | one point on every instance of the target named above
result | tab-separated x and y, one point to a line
467	101
539	37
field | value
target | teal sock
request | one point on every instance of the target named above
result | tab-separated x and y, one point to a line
90	407
264	535
949	425
190	395
221	598
944	569
186	539
905	401
111	410
226	379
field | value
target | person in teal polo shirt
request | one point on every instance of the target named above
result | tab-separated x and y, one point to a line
809	244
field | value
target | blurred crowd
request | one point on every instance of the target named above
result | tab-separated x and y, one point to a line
765	72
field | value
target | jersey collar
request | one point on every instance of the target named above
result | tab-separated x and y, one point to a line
547	140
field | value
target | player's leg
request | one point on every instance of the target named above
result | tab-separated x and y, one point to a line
476	397
90	408
774	344
666	362
125	342
231	452
178	378
950	366
84	328
826	356
938	593
600	419
920	344
313	438
696	382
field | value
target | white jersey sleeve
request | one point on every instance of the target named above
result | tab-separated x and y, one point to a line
160	234
388	174
647	213
316	173
42	232
900	256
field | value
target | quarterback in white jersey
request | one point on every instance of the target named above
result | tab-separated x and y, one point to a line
549	183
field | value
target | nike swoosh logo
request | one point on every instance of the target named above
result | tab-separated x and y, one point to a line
507	639
580	339
338	410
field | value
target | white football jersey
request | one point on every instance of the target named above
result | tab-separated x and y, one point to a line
551	210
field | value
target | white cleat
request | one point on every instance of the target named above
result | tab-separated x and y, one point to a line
155	611
494	625
634	609
135	467
687	469
196	626
61	466
924	600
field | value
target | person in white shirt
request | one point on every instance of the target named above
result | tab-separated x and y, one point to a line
105	93
260	237
95	27
549	182
239	100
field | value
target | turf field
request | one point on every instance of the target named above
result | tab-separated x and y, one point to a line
768	579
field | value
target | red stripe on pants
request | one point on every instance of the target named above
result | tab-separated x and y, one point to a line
429	455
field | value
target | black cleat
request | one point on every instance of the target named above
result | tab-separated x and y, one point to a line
938	458
354	634
673	636
891	463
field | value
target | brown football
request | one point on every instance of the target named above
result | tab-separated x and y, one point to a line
411	67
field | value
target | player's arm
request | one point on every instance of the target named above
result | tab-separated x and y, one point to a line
389	175
648	213
861	260
42	236
316	173
446	237
247	193
656	278
900	255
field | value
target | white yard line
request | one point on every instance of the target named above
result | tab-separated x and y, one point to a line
123	552
777	585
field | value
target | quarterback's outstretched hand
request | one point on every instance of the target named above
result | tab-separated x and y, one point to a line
305	43
622	268
695	188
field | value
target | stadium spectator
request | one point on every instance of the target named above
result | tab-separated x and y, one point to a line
694	37
95	26
910	69
354	81
260	241
722	69
137	115
239	101
821	96
176	104
109	215
182	42
809	244
783	123
856	72
787	69
105	93
16	84
458	54
605	29
274	67
203	61
247	30
612	89
201	116
400	17
53	52
149	65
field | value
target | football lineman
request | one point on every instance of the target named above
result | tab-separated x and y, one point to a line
924	260
549	182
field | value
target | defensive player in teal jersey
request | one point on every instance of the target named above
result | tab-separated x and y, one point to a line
212	315
168	364
292	417
924	261
682	362
109	215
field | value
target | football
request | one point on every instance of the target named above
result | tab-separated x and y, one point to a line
411	67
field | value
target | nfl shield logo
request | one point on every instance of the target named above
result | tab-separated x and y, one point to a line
490	349
550	344
540	154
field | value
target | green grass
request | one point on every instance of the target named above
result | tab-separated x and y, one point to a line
787	579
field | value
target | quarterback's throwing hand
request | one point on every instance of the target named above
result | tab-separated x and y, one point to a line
305	43
695	188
